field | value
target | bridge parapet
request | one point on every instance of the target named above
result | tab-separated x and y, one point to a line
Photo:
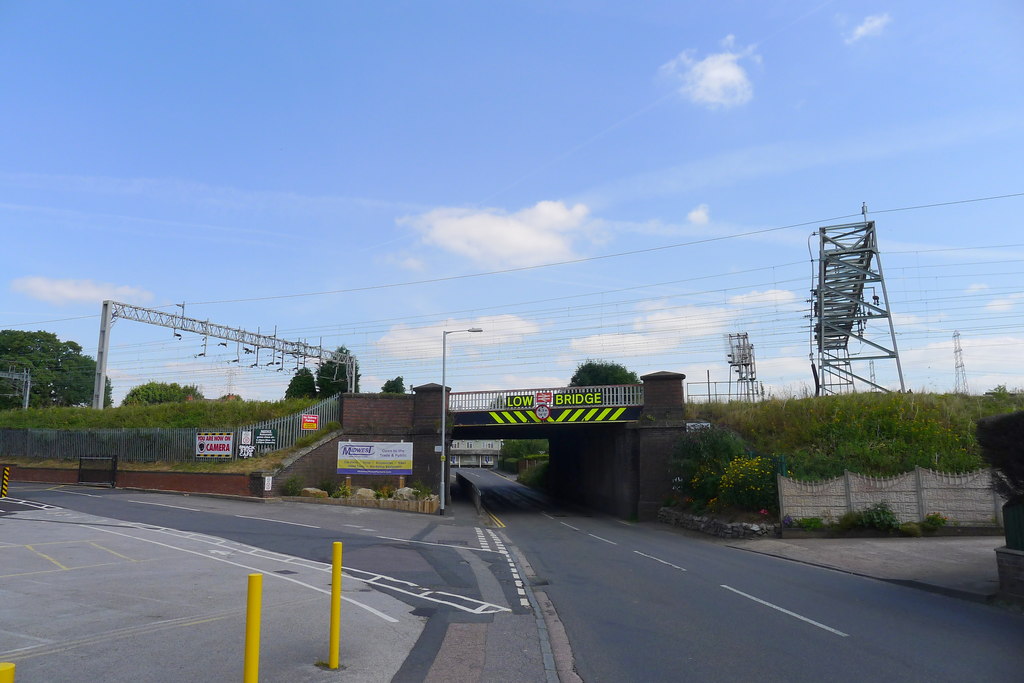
605	396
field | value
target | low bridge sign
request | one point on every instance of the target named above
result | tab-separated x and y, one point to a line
562	405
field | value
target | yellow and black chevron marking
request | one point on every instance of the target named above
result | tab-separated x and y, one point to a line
3	484
558	416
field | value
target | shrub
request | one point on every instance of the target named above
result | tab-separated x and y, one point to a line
699	460
536	477
384	491
749	483
329	486
341	491
850	520
292	486
880	516
910	529
1002	445
421	490
810	523
933	521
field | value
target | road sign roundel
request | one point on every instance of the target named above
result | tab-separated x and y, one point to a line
542	412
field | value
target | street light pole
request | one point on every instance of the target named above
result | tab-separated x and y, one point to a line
444	409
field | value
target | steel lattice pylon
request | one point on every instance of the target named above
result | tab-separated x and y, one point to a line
741	360
848	267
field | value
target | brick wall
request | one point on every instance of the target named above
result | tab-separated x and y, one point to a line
43	474
377	413
378	418
230	484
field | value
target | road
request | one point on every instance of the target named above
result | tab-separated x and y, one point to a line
454	577
645	602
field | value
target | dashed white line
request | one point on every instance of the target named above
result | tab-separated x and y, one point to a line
279	521
652	557
786	611
603	539
574	528
165	505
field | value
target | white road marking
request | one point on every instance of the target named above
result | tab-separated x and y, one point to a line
76	493
30	503
786	611
377	612
443	545
603	539
279	521
574	528
165	505
652	557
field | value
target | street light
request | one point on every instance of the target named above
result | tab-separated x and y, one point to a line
444	407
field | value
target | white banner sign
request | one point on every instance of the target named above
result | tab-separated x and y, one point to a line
374	457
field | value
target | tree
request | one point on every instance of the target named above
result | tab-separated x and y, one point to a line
592	373
394	386
61	374
303	385
153	393
331	378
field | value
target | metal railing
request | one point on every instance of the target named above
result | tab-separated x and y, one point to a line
610	395
149	445
289	427
716	392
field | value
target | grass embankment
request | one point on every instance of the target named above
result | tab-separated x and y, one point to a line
198	414
872	434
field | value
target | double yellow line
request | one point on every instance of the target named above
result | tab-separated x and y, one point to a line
497	522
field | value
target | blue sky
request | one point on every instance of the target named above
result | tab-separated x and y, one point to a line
246	152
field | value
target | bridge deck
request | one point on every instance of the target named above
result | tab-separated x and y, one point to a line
556	405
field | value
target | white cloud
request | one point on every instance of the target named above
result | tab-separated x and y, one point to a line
871	26
700	216
404	341
769	296
539	234
1004	304
718	80
976	287
67	291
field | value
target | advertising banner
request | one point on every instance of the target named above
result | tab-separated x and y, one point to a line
214	444
374	457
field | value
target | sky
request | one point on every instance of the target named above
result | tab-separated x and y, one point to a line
582	179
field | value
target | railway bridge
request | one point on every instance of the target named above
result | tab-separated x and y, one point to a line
609	445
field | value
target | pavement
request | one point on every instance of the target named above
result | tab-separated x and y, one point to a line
958	566
85	597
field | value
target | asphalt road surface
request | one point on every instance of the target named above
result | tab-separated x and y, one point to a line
645	602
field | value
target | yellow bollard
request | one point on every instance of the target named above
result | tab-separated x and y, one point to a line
335	643
6	672
254	605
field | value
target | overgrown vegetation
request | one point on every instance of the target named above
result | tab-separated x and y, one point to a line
200	414
514	450
537	476
712	470
868	433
